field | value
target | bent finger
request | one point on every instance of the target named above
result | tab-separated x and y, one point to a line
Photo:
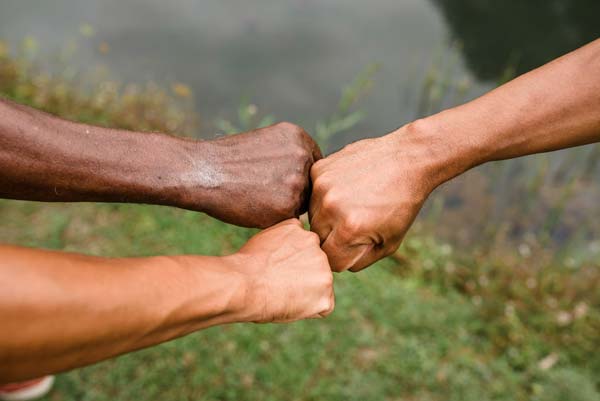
376	254
343	256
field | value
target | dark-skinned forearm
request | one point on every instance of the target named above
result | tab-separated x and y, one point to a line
254	179
45	158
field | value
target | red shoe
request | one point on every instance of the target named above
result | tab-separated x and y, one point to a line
28	390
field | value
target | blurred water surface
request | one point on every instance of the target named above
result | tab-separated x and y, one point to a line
291	58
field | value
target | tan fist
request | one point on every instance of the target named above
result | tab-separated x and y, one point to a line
288	274
366	196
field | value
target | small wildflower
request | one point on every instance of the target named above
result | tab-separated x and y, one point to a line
524	250
446	249
181	90
247	380
548	361
563	318
581	309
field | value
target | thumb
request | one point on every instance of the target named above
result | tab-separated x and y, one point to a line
368	258
342	255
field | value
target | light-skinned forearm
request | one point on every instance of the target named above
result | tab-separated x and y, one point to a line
61	310
553	107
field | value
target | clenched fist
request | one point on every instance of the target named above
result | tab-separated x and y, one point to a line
287	274
253	179
366	196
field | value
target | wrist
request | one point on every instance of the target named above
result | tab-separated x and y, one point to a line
182	174
214	292
246	306
440	146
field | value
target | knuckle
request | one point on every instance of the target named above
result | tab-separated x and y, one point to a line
295	182
286	125
318	186
328	308
351	225
318	165
329	200
317	168
313	237
328	279
301	154
290	129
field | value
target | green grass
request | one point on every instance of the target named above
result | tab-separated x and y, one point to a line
392	336
430	323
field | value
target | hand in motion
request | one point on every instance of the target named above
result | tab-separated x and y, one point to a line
259	178
289	277
365	198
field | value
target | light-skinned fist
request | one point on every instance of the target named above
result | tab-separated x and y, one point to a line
287	275
366	196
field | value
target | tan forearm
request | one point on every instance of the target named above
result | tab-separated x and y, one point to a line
71	310
553	107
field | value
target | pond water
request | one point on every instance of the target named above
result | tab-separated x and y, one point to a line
291	58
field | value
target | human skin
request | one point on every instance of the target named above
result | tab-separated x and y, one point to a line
366	196
253	179
62	310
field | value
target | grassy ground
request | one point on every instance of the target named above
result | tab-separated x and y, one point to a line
429	323
391	337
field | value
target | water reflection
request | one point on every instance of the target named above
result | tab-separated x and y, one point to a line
518	34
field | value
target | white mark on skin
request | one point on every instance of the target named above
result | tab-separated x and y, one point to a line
204	175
